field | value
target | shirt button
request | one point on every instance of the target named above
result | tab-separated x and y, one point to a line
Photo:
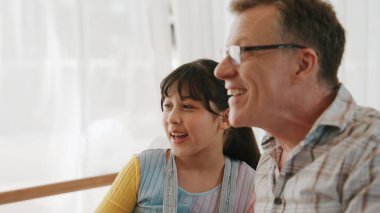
277	201
187	200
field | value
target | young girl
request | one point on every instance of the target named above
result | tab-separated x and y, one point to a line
209	167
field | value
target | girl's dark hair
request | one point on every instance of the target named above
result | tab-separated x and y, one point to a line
201	85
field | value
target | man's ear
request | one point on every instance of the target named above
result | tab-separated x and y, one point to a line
224	123
307	64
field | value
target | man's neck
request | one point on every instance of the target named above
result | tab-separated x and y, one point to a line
291	127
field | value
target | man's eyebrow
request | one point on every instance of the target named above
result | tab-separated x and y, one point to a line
186	97
238	42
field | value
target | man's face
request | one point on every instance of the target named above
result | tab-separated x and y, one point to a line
261	83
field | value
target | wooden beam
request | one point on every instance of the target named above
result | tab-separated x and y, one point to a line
56	188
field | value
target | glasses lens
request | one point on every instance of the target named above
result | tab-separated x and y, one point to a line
234	53
224	53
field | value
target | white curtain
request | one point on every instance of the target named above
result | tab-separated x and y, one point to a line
360	70
201	28
79	91
79	82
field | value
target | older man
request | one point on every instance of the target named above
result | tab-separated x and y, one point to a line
322	153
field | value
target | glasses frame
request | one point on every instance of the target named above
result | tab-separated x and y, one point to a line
234	52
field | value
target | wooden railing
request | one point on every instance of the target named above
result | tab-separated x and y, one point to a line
56	188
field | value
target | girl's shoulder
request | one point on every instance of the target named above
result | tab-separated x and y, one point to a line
244	171
152	176
152	161
152	154
245	166
245	184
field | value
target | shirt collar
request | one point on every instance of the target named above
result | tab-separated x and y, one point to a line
339	114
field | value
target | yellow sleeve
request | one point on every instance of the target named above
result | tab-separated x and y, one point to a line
122	196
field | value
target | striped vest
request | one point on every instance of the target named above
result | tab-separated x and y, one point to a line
152	184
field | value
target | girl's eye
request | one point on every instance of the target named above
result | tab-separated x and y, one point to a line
166	106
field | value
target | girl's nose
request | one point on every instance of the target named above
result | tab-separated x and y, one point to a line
174	117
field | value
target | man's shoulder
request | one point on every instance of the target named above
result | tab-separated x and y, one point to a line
353	146
366	114
365	124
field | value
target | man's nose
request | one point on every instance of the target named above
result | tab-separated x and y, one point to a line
225	69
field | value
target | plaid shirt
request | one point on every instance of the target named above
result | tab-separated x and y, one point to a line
336	168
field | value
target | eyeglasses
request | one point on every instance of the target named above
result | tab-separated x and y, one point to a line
234	52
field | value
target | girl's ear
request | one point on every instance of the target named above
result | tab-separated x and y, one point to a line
224	123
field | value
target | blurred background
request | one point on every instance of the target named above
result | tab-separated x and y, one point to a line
79	82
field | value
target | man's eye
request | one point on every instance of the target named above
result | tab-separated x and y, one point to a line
185	106
166	106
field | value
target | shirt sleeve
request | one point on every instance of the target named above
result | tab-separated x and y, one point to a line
122	196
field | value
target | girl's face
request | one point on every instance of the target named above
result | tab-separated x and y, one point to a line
191	129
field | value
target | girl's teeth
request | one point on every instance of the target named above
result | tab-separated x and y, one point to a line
178	135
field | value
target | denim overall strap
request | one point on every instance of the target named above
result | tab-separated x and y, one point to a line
226	204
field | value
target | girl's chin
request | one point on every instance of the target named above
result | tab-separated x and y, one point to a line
177	141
